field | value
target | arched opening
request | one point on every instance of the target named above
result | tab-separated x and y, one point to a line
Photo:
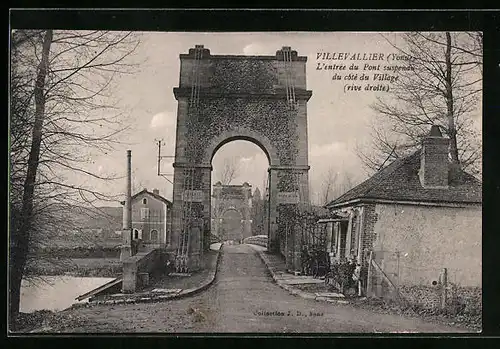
232	229
239	184
240	135
136	234
145	201
154	236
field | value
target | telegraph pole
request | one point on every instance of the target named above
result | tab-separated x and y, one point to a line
160	142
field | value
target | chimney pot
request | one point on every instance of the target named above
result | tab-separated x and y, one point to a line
156	191
434	163
435	131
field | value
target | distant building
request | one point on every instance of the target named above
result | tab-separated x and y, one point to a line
231	211
151	218
420	212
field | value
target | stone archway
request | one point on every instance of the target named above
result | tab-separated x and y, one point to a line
241	133
226	198
232	226
262	99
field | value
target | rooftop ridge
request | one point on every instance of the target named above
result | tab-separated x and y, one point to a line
399	181
377	178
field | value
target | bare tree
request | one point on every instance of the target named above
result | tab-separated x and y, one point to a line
230	171
137	183
347	183
329	184
226	176
61	116
333	185
441	86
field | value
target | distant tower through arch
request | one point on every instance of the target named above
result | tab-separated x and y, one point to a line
232	198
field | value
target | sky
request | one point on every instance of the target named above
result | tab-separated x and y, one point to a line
338	121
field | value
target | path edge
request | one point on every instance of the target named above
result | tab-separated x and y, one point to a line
293	290
184	293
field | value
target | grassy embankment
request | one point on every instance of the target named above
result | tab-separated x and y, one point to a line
101	260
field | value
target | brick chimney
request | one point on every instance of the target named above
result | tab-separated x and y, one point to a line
156	191
434	163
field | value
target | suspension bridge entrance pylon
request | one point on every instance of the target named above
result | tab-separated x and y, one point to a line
221	98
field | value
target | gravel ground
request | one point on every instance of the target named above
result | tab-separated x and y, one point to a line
243	299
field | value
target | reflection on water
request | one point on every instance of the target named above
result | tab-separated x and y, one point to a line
56	292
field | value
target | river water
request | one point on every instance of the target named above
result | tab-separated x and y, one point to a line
56	292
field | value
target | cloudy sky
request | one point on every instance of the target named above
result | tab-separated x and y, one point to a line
337	121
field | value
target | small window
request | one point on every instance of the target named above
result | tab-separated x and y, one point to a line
144	213
145	201
154	235
136	234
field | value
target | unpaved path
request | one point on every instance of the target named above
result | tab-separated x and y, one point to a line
244	298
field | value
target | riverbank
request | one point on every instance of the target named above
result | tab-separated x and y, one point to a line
78	267
240	301
167	286
73	319
55	292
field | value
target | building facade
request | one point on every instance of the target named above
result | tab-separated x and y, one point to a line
151	218
414	218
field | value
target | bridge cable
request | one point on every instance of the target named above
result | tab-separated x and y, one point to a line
197	103
184	237
192	171
287	83
291	77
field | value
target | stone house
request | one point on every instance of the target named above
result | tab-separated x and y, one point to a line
151	218
417	216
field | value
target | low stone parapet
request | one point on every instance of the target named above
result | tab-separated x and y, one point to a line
260	240
135	267
159	294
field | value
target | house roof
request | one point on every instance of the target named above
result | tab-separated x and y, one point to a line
156	196
399	181
332	217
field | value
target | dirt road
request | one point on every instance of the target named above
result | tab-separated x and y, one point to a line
242	299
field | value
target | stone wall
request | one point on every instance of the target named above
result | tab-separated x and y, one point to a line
153	262
256	240
428	239
369	220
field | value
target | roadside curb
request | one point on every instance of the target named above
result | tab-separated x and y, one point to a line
138	298
292	290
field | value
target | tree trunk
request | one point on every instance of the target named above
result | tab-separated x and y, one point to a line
20	236
452	132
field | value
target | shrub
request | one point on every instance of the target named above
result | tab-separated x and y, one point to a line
341	273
